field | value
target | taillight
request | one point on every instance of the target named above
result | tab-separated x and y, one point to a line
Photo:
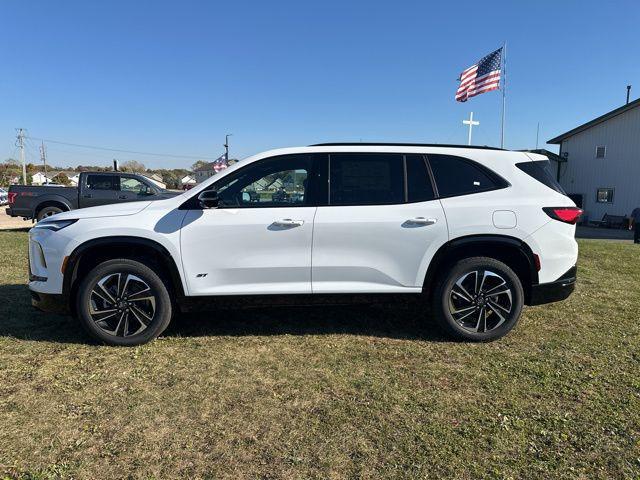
12	198
564	214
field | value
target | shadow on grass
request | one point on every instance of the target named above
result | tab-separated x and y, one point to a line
400	322
16	229
20	320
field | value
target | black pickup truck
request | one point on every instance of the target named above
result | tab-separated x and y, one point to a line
94	188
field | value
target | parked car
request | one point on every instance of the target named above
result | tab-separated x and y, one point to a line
95	188
471	234
280	196
4	196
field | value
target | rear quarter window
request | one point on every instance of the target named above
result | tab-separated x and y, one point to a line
460	176
541	171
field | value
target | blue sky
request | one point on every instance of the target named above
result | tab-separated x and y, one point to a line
175	76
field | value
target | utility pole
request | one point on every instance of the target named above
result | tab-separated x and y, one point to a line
504	91
21	146
537	135
226	146
43	157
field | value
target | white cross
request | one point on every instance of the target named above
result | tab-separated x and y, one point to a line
471	123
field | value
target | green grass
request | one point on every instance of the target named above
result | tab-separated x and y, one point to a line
328	392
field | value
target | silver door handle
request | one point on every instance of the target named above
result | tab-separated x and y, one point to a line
422	221
287	222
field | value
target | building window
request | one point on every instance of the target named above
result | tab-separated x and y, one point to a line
601	151
604	195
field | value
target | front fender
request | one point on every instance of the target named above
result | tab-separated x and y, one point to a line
123	241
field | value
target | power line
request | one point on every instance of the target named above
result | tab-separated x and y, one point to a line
100	155
109	149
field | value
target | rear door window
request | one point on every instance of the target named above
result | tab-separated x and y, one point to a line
101	182
460	176
541	171
366	179
419	187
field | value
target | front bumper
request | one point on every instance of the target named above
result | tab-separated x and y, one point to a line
50	303
47	250
45	302
554	291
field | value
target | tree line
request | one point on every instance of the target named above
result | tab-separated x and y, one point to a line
172	177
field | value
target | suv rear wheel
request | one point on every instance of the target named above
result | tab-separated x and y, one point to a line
479	299
123	302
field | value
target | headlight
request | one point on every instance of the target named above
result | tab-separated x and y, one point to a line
54	225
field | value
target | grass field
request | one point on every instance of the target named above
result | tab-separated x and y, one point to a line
329	392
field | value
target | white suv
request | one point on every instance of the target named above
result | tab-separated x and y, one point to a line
473	233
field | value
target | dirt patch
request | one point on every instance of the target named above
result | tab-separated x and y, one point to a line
12	223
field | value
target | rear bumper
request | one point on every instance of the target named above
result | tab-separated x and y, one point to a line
18	212
50	303
554	291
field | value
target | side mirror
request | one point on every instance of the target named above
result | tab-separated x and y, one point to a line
208	199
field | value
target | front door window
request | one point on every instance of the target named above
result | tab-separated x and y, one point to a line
135	186
276	182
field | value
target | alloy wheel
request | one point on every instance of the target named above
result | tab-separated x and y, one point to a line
480	301
122	304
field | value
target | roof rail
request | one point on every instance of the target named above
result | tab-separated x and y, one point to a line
383	144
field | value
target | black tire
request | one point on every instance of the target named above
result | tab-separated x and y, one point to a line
497	321
47	212
93	304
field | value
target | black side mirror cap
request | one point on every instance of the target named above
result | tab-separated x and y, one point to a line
208	199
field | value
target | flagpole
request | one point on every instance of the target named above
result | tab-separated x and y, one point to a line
504	90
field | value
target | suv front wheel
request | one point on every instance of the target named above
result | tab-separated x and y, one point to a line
123	302
479	299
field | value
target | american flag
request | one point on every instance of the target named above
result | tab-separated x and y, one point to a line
482	77
220	163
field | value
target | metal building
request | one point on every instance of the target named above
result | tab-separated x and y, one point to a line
600	162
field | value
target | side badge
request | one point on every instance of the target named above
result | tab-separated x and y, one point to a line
201	275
